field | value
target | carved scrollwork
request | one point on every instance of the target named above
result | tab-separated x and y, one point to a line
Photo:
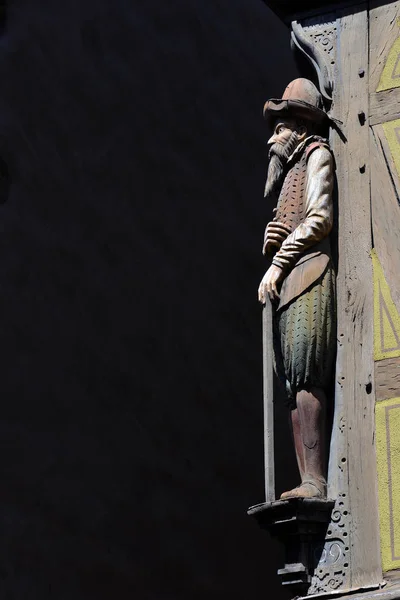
333	557
317	42
336	516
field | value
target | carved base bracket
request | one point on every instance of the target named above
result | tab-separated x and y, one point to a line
384	591
301	525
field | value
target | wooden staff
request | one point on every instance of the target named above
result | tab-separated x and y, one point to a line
268	374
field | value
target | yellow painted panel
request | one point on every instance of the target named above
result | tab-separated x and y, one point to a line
390	77
388	457
386	317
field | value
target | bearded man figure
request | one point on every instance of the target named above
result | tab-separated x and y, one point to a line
301	279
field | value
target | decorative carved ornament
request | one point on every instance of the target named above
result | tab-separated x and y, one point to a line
333	556
317	42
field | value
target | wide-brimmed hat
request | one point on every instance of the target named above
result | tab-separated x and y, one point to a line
300	99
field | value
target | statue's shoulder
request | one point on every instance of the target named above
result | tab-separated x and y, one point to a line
318	143
322	155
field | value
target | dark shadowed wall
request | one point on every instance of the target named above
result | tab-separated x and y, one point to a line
130	256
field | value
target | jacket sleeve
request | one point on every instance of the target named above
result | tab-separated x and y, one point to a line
318	210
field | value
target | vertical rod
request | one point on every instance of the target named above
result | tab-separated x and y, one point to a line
268	374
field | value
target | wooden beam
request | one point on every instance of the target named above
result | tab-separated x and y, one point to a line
353	460
385	106
387	378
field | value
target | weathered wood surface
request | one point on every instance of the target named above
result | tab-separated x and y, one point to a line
384	29
268	373
385	106
352	460
387	378
385	210
389	592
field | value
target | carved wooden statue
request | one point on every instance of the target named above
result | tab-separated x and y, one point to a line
301	279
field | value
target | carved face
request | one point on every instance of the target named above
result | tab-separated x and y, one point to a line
287	136
284	130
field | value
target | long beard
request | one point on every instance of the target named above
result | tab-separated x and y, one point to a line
278	157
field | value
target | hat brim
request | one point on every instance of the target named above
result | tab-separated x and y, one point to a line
293	108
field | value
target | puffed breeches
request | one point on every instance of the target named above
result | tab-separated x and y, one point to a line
305	338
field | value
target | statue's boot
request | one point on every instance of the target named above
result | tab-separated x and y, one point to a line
310	487
308	426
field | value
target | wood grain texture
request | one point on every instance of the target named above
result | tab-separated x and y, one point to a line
352	460
385	106
385	210
268	374
387	378
384	29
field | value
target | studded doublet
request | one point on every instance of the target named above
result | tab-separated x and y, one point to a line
305	254
291	203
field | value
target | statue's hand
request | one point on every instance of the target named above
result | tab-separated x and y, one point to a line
275	234
269	284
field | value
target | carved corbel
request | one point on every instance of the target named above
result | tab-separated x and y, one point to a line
316	42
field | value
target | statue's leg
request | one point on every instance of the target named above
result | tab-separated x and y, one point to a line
297	441
310	439
307	329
